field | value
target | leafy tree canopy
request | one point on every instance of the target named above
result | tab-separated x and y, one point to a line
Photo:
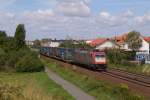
20	36
2	34
15	56
133	40
2	37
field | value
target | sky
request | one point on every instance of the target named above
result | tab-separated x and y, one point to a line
77	19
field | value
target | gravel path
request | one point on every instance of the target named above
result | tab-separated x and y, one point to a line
76	92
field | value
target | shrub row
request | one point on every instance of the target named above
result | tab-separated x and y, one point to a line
22	60
117	56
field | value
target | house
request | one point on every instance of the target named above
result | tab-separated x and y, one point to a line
102	43
120	41
54	44
50	43
147	39
145	48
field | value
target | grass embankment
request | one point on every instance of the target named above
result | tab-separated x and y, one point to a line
30	86
97	88
141	69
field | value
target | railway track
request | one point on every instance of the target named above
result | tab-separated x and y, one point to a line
136	76
136	79
131	73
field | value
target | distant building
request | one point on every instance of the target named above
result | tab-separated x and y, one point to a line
102	43
54	44
120	41
147	39
51	43
145	48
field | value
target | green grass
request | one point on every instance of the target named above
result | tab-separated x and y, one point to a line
97	88
144	69
33	86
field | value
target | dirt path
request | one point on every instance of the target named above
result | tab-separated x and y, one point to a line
76	92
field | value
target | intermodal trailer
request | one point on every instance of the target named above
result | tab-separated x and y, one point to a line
65	53
45	51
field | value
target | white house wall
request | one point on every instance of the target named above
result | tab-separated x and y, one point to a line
145	46
54	44
107	44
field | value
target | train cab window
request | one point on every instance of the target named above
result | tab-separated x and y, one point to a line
99	57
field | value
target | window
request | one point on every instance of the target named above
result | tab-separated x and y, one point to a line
99	58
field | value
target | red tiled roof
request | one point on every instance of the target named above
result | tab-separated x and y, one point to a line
147	39
98	41
121	39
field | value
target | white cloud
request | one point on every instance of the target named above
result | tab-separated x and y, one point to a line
86	1
108	20
128	13
143	19
74	18
77	9
39	14
122	19
105	15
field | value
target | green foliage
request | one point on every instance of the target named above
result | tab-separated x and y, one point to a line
13	52
29	63
2	34
2	58
133	40
2	37
117	56
9	44
20	36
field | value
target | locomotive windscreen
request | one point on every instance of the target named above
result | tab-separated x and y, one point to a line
99	58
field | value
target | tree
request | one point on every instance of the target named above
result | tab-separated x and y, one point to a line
133	40
3	34
20	36
2	37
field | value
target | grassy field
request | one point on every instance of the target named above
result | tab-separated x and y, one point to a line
30	86
99	89
144	69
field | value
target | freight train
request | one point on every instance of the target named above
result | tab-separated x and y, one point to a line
93	59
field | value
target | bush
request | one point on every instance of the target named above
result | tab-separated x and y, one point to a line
12	58
29	63
2	59
15	55
117	57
